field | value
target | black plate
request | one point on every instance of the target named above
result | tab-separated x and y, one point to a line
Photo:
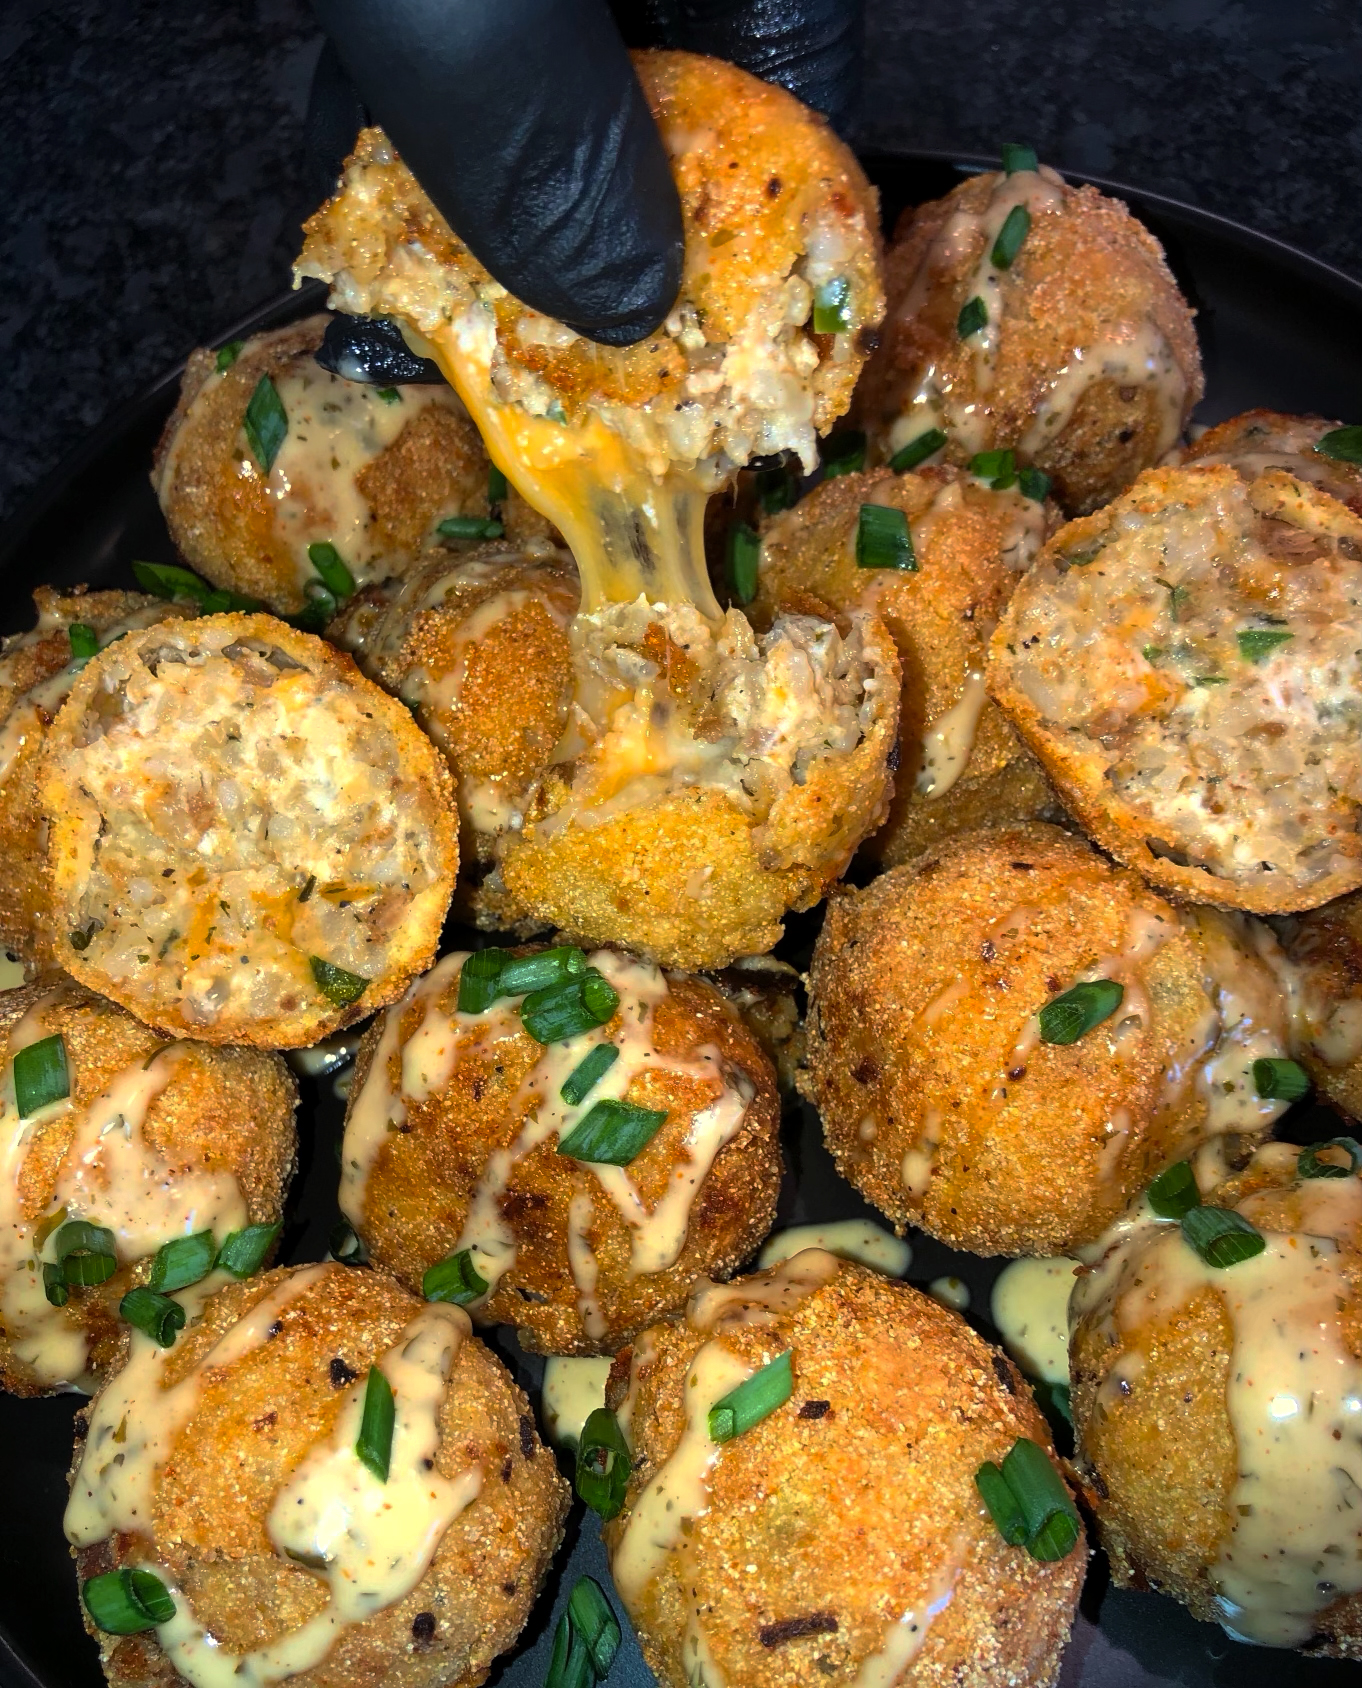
1277	329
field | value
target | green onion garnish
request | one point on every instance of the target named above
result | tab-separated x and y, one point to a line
266	423
1221	1237
41	1075
973	316
756	1398
842	453
832	306
1057	1397
1174	1192
169	581
480	980
1279	1080
1052	1526
470	527
329	564
603	1464
455	1279
1016	159
183	1262
884	539
245	1252
228	354
1257	642
593	1619
1344	445
1177	596
588	1073
556	411
374	1445
1074	1014
567	1010
156	1316
128	1601
85	1255
54	1284
1309	1165
570	1662
321	605
998	468
918	450
498	488
335	984
1210	680
1003	1506
80	1234
612	1133
389	395
1034	483
522	974
741	560
1152	653
346	1245
84	641
1016	227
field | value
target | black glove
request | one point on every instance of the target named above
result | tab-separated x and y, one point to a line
524	122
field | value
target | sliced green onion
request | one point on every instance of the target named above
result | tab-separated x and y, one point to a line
756	1398
1177	596
84	641
330	565
1016	227
1052	1526
228	354
245	1252
455	1279
570	1663
346	1245
1074	1014
522	974
1279	1080
1003	1506
1309	1165
1174	1192
918	450
612	1133
1210	680
998	468
832	306
595	1621
389	395
1344	445
470	527
1017	158
79	1236
603	1464
480	980
169	581
41	1075
556	411
374	1445
182	1262
127	1602
84	1271
1220	1236
265	423
588	1073
1257	642
320	607
156	1316
335	984
54	1284
567	1010
842	453
1152	653
1034	483
741	563
498	488
884	539
1057	1396
973	316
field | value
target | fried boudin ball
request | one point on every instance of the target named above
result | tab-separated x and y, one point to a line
1248	1514
1301	445
458	1136
1185	664
960	763
147	1140
249	842
1077	352
37	671
842	1537
951	1096
239	1468
369	470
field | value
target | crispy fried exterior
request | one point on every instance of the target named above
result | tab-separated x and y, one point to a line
202	904
1323	951
417	1196
857	1512
1269	439
249	532
255	1422
1088	278
1158	1461
26	661
922	986
223	1111
1245	790
971	545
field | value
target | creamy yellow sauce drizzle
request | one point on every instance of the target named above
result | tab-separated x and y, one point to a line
573	1389
950	1292
850	1239
903	1643
1030	1307
1144	360
949	740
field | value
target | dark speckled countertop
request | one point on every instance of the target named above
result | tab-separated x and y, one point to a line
153	180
